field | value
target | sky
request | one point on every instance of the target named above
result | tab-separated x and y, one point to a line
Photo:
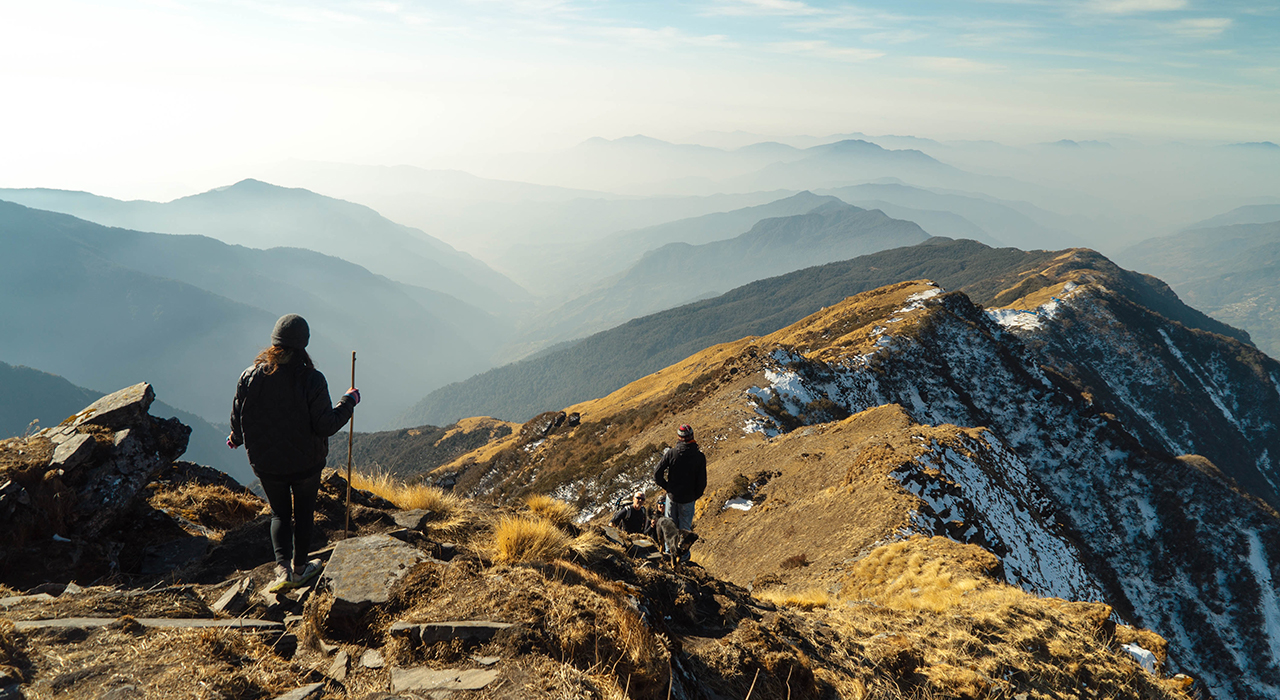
160	98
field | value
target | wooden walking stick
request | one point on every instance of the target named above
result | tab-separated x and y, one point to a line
351	434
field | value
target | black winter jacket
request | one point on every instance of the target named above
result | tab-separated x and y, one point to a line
284	420
682	471
631	519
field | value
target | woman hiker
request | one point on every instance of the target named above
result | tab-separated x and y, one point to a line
281	414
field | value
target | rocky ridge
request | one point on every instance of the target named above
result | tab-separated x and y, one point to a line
1033	431
438	602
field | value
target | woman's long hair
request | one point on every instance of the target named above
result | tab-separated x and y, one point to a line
275	356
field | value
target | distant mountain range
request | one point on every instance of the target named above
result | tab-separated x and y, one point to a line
260	215
1230	272
678	273
1005	223
32	395
1250	214
108	308
610	359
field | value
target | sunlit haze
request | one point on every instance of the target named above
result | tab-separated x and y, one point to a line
158	99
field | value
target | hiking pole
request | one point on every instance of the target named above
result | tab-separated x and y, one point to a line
351	436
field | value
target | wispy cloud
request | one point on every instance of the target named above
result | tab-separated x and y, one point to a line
1200	28
900	36
822	49
664	38
763	7
1129	7
954	64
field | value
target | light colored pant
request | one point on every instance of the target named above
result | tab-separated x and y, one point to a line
682	513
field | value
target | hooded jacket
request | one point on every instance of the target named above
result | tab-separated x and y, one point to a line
284	420
682	471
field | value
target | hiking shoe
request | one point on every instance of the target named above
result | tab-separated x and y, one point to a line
303	577
284	580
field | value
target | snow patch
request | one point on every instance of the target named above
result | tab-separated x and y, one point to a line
738	504
1269	603
1145	658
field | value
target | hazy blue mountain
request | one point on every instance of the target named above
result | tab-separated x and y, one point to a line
1005	222
608	360
843	163
678	273
391	182
32	395
1231	273
935	223
260	215
108	308
1250	214
621	250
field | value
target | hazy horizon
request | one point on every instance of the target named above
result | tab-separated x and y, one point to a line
156	99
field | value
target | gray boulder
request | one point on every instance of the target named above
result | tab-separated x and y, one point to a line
361	573
122	409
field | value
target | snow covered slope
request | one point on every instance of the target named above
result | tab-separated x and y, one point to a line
1175	548
1100	449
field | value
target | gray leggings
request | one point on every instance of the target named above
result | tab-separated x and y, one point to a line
293	505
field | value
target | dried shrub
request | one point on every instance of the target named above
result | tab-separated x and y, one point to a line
795	562
522	539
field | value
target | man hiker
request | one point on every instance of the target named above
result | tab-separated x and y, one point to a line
632	518
682	471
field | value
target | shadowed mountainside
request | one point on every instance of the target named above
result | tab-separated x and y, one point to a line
610	359
1227	271
678	273
261	215
104	307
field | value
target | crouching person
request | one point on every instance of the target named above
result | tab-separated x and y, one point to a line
633	518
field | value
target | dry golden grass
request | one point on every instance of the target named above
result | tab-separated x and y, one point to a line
407	496
902	576
215	507
13	657
519	539
589	546
548	508
926	606
803	600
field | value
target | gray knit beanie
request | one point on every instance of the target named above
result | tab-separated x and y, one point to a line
291	331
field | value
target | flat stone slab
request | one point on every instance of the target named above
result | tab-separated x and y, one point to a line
412	519
441	679
19	599
363	569
470	631
119	410
154	622
371	658
306	692
73	452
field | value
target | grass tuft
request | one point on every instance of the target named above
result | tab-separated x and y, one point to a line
407	496
522	539
215	507
548	508
804	600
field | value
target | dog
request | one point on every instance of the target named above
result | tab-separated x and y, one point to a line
673	542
